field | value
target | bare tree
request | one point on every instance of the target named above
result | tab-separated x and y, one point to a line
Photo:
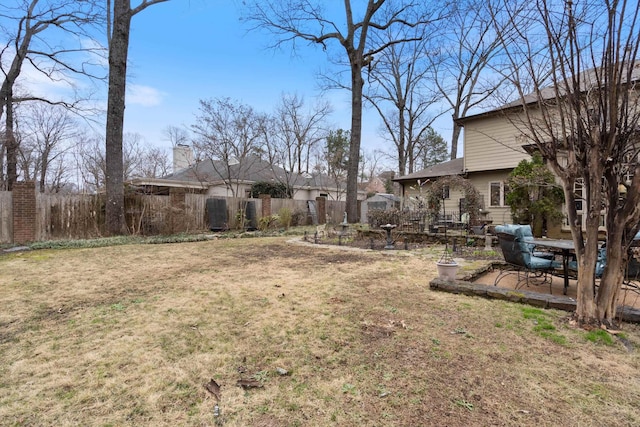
155	163
91	162
290	137
399	80
118	29
464	61
370	164
584	118
176	135
139	160
310	21
47	133
26	23
228	133
298	131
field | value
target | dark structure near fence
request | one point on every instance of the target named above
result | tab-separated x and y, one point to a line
217	214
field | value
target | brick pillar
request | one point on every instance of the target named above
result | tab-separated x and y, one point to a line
321	209
266	205
24	212
177	220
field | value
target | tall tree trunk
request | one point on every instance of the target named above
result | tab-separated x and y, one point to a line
454	140
118	53
606	300
10	143
403	152
586	308
43	170
357	84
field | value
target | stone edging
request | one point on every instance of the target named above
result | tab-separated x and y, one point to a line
535	299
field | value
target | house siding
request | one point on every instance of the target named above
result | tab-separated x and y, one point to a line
482	180
411	191
491	143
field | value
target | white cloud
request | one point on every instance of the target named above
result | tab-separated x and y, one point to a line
144	95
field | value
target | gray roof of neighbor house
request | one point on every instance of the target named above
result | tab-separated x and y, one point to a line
589	79
250	169
452	167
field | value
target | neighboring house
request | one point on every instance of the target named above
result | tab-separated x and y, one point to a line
373	186
216	178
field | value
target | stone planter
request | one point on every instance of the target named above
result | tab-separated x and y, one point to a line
447	271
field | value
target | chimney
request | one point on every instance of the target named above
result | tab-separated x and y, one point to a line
182	157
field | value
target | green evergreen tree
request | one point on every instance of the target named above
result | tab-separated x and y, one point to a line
337	152
432	149
534	196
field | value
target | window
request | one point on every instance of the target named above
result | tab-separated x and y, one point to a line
581	207
445	192
498	193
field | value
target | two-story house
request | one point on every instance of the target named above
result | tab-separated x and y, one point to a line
492	146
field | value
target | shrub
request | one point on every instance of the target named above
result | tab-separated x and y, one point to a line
285	217
276	190
299	217
378	217
267	222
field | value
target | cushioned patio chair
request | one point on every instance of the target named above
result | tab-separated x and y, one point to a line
632	271
521	261
523	231
600	262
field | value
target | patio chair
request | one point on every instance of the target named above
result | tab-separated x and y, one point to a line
523	263
523	231
632	270
632	276
601	261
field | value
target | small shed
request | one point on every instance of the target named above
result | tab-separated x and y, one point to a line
380	201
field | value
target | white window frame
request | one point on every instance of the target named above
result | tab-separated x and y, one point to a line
503	190
578	191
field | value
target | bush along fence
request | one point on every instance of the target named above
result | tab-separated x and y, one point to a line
27	215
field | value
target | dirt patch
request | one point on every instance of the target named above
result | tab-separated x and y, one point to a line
130	336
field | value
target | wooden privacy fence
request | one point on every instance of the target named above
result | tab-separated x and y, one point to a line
69	216
335	209
82	216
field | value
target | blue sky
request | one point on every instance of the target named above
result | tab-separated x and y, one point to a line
185	50
182	51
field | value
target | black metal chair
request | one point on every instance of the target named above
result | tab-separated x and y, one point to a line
521	261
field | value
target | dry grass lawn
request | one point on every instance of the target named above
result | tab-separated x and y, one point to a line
128	335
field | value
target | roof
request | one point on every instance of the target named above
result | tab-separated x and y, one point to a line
452	167
589	79
251	169
383	196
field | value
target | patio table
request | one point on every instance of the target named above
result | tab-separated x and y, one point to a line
562	247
